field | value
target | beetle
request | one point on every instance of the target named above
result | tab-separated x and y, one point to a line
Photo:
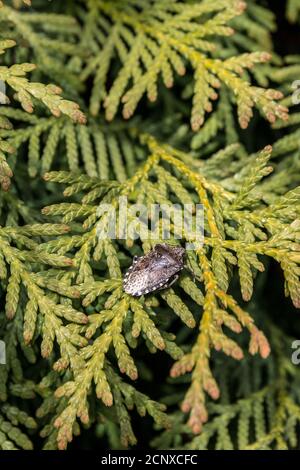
156	270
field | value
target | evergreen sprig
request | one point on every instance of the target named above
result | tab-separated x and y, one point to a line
151	44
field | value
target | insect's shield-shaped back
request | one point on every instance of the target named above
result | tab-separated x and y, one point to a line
124	220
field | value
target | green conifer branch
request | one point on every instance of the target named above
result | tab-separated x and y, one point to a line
266	418
239	245
71	332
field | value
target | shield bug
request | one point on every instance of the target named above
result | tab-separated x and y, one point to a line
156	270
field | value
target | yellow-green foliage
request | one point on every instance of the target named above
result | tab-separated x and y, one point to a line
78	347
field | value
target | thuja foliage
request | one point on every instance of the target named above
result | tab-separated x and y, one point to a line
160	102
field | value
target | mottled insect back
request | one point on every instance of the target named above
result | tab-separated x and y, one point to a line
156	270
